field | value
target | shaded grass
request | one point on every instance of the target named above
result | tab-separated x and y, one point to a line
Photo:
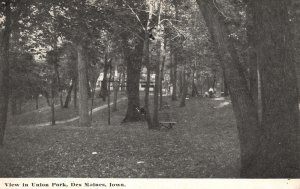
36	117
202	144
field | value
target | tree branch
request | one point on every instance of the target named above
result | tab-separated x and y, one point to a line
137	17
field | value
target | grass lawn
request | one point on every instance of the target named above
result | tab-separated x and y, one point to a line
203	143
44	115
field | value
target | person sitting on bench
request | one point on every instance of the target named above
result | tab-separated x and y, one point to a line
141	110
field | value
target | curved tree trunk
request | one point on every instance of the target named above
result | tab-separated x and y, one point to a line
280	145
68	98
272	148
243	104
4	69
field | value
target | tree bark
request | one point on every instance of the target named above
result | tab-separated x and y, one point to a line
133	59
280	145
4	69
52	103
180	82
160	49
174	92
132	86
225	85
83	93
155	121
194	86
55	66
93	89
184	89
68	98
243	104
108	95
252	54
162	75
147	88
116	90
75	92
103	91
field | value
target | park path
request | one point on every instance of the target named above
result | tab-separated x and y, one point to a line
74	118
45	108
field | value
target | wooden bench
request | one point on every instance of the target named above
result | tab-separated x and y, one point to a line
166	120
167	124
166	106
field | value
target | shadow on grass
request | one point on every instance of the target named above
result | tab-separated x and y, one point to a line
203	144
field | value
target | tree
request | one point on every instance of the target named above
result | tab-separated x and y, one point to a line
83	94
257	141
132	45
4	68
279	139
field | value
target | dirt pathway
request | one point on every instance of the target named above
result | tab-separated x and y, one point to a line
72	119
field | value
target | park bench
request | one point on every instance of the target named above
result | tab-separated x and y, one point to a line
166	121
166	106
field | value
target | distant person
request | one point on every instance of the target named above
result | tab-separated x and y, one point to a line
206	94
211	92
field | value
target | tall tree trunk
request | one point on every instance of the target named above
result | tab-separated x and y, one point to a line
46	95
147	88
68	98
132	86
52	102
194	86
75	92
58	84
252	54
147	109
214	80
55	64
108	95
4	69
162	75
93	89
175	51
123	81
83	94
280	147
133	59
155	121
243	104
180	82
174	84
184	89
225	85
116	90
103	91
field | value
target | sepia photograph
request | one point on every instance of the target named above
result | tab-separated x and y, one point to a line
160	89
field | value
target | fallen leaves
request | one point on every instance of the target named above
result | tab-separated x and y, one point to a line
203	144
